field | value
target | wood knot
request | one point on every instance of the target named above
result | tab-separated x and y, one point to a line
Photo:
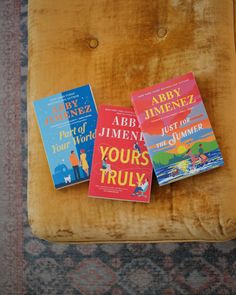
93	43
161	33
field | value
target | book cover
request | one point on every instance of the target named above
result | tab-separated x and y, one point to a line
176	129
121	168
67	123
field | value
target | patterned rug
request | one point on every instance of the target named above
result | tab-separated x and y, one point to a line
32	266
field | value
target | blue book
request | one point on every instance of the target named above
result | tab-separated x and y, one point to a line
67	123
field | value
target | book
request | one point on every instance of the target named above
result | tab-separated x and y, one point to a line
67	123
176	128
121	166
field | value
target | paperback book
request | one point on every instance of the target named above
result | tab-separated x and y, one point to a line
121	166
67	123
176	128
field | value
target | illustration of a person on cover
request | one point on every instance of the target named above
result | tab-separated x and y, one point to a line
137	147
75	164
202	156
105	165
84	162
141	188
193	158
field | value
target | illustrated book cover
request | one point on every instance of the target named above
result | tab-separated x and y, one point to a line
176	129
67	123
121	167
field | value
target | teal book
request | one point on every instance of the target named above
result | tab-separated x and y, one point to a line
67	123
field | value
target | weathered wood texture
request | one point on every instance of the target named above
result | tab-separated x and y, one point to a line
117	47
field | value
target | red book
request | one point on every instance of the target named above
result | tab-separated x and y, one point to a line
121	167
176	129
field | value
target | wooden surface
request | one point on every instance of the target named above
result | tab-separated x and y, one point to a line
117	47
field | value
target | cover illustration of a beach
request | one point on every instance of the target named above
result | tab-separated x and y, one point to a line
67	124
176	128
121	168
